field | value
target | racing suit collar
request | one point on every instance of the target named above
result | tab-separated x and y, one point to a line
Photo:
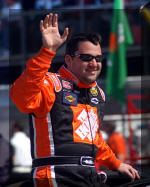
65	73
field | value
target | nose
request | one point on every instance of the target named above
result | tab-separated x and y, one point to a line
93	63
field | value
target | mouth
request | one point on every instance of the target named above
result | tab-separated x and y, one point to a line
92	72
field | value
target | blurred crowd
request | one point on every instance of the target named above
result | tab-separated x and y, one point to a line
47	4
15	155
16	6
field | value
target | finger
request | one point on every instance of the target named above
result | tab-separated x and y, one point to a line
55	20
41	25
46	21
136	174
50	19
133	173
130	175
65	34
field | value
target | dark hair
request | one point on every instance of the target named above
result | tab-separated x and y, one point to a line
109	126
18	125
72	43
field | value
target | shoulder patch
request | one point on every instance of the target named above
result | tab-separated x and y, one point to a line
56	81
67	84
102	93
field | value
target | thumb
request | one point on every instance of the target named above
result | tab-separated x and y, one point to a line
65	34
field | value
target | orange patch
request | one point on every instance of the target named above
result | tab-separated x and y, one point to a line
113	42
85	124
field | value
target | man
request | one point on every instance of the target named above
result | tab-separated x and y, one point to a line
67	110
21	144
116	141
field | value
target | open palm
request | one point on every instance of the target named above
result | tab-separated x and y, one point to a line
50	34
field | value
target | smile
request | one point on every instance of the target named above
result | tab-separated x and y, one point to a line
93	72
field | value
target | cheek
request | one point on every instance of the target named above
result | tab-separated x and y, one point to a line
83	68
100	66
76	69
79	67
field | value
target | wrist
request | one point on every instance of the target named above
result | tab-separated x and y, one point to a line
49	49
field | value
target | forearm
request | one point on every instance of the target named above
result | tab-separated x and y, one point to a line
26	91
109	160
106	157
31	92
38	66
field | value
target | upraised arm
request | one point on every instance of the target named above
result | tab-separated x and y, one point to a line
51	37
30	89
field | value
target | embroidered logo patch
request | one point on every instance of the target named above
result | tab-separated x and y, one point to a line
94	91
67	85
89	125
70	98
94	100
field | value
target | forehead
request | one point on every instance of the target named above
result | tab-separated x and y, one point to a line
89	47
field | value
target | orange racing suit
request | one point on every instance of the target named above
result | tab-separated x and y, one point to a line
66	119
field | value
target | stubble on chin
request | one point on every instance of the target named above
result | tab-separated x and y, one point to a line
88	80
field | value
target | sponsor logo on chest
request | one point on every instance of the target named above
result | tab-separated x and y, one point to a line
89	125
94	100
70	98
67	85
94	91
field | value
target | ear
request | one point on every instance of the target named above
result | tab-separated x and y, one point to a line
68	60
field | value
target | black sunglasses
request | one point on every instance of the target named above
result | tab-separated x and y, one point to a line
88	57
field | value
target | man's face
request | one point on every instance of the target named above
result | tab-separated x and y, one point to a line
86	72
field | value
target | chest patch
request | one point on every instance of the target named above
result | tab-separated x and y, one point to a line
67	85
70	98
95	100
88	125
94	91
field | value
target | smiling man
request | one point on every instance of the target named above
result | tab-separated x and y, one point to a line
67	111
84	57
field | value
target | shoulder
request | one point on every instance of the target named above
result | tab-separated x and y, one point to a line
54	78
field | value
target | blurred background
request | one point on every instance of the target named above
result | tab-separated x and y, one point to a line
20	39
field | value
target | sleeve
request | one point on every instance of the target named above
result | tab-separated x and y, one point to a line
105	156
33	92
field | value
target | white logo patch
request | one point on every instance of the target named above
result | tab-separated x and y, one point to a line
67	84
94	100
89	125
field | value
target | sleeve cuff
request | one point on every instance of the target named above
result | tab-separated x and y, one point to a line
46	53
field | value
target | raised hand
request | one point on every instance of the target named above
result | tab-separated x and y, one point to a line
51	37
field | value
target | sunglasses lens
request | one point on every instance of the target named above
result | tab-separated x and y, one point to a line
98	58
86	57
